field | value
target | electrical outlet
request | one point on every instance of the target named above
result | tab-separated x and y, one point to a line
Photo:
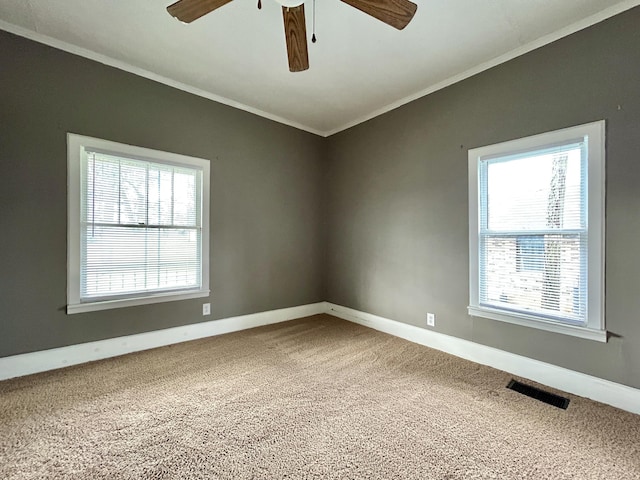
431	319
206	309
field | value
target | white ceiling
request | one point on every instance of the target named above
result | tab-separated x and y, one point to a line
359	67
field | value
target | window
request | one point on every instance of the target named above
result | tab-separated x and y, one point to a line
536	231
138	226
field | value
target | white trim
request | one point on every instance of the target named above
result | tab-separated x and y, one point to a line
545	40
605	391
141	72
132	302
45	360
538	323
598	389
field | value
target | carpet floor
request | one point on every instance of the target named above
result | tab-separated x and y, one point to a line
315	398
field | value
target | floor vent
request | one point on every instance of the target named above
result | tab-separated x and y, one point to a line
533	392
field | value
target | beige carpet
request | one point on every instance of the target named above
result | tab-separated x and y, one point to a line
316	398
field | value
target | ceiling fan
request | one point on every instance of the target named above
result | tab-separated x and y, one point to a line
397	13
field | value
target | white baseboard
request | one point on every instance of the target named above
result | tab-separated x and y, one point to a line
605	391
42	361
598	389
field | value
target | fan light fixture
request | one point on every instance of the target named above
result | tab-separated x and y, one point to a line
290	3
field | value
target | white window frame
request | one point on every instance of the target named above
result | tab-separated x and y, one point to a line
76	145
594	133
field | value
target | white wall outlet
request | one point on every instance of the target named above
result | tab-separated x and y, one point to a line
206	309
431	319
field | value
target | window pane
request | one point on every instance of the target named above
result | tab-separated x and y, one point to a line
184	210
103	184
535	192
540	273
552	289
133	192
124	260
160	195
142	227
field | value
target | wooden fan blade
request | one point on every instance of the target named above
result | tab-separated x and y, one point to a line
189	10
397	13
295	32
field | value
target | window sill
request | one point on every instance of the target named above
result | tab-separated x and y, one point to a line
131	302
533	322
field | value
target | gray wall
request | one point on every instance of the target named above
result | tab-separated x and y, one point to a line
266	202
373	218
397	212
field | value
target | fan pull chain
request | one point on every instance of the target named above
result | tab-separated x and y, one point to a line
259	4
313	35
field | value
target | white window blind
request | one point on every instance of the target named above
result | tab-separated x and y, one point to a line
141	226
536	231
138	227
533	233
